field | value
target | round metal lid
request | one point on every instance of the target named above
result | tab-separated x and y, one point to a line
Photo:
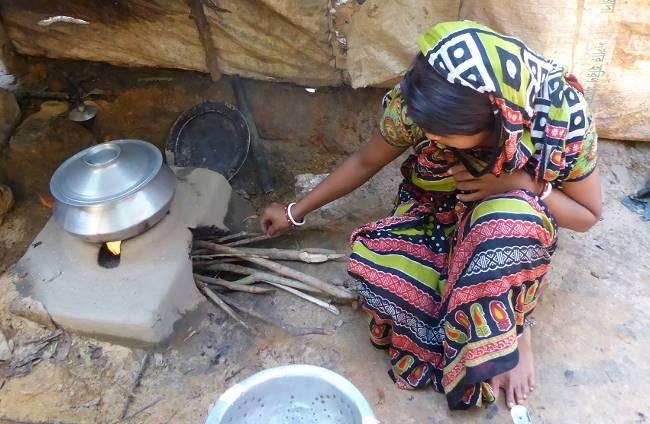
82	113
105	173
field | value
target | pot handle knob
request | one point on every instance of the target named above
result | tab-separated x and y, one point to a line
102	155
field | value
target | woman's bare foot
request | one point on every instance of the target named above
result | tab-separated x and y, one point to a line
519	381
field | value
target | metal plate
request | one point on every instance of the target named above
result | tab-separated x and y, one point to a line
212	135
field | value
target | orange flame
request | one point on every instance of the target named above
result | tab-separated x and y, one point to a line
46	201
114	246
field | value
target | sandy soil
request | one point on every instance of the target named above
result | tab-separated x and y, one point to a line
590	343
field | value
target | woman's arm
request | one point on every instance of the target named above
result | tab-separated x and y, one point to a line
577	206
355	171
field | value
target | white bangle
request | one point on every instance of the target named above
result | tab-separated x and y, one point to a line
290	216
548	188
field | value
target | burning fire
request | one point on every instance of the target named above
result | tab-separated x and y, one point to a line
46	201
114	246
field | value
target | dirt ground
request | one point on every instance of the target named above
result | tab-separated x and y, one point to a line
591	341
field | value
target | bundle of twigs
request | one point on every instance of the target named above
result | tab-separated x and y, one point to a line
213	255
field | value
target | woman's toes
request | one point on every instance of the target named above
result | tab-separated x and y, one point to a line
526	390
510	396
531	383
519	395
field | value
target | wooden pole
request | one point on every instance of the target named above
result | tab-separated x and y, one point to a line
257	147
198	14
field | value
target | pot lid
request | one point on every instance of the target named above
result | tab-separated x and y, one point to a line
106	172
82	113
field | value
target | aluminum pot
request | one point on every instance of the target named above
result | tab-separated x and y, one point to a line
112	191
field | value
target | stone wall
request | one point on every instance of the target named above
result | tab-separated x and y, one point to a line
360	43
264	39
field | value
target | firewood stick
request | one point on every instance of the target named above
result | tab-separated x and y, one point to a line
136	382
199	252
218	257
319	250
241	234
285	271
281	255
333	309
203	27
271	278
290	329
144	408
219	302
223	260
233	286
255	275
250	240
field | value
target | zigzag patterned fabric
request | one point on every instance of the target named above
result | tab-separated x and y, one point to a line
447	285
527	91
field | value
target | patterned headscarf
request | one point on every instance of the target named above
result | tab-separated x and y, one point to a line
527	92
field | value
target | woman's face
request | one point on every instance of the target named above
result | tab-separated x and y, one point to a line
462	142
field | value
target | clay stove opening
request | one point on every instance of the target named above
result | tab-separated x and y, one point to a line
109	254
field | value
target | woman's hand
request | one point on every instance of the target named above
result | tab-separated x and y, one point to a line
274	220
355	171
486	185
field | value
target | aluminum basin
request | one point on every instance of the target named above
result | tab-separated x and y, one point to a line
293	394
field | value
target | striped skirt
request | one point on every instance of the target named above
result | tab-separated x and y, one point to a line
447	286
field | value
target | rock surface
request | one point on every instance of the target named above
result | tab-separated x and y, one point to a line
265	39
605	44
7	62
5	351
42	142
362	43
372	201
6	200
9	115
33	310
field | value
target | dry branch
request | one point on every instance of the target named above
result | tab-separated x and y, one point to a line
233	285
258	276
333	309
231	237
285	271
227	309
290	329
280	255
198	14
144	408
136	383
250	240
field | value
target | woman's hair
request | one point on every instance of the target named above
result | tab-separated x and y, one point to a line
442	108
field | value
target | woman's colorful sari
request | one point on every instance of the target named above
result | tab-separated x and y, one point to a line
447	285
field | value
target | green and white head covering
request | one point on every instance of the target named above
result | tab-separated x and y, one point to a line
539	107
